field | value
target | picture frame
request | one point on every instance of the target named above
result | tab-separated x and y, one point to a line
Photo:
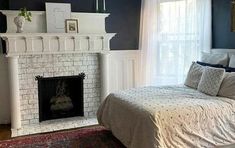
56	14
71	26
233	16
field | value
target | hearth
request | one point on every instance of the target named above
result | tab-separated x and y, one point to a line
60	97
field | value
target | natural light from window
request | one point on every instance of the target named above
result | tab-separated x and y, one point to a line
177	40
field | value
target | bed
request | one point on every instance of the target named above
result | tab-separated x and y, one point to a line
173	116
169	116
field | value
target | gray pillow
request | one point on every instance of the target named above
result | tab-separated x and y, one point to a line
215	58
194	75
232	61
227	88
211	80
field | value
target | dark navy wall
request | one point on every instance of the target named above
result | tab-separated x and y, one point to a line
77	5
3	6
124	19
222	37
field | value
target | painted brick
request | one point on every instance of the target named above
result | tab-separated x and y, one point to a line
57	65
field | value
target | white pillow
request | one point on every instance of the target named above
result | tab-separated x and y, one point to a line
215	58
232	61
227	88
211	80
194	75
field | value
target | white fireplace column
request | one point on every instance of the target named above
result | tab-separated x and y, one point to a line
104	65
14	92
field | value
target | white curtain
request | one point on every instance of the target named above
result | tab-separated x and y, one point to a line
173	34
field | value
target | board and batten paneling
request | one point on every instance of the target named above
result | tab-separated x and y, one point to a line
121	71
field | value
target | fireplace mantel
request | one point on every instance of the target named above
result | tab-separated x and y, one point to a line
92	38
55	43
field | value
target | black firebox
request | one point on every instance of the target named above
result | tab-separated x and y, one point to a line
60	97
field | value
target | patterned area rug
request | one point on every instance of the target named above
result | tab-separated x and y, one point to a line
89	137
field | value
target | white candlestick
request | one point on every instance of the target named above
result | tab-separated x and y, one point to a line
104	5
97	5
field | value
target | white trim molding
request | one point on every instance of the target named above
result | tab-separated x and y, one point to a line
55	43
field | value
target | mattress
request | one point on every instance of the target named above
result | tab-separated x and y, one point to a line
170	116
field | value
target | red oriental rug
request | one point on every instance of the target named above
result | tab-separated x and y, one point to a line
89	137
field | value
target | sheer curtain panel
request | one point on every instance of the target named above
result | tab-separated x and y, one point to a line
173	34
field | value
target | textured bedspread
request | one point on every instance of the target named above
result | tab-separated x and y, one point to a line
164	117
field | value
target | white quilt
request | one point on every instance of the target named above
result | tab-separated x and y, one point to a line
168	117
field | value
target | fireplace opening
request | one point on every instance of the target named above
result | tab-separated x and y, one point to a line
60	97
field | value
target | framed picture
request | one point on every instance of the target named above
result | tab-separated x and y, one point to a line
71	25
233	16
56	14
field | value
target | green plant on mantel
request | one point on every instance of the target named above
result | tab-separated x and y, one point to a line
26	14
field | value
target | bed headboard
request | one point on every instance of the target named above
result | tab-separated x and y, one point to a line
219	50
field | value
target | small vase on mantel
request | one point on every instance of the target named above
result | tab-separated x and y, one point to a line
19	21
23	16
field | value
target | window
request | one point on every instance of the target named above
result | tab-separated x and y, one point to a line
177	40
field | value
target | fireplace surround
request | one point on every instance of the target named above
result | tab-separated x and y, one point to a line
57	66
36	52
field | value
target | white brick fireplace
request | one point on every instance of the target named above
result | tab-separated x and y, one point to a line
53	66
35	53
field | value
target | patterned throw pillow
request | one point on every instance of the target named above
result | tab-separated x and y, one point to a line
215	58
194	75
227	88
211	80
232	61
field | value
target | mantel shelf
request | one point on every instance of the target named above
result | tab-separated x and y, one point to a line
54	34
55	43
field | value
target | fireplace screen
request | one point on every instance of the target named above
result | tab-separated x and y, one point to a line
60	97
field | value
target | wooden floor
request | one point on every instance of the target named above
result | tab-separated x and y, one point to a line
5	132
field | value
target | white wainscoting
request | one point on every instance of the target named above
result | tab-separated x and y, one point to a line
121	71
